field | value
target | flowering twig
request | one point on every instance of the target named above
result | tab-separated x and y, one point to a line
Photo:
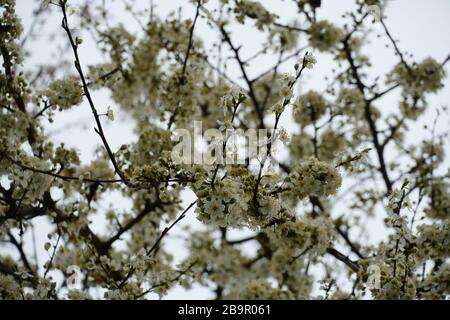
59	176
185	61
99	128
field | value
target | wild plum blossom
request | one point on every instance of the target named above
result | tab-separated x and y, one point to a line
323	35
309	108
265	224
64	93
309	60
110	114
314	177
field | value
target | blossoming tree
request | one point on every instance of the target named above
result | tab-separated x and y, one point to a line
306	215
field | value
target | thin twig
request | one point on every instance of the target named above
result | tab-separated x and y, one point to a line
99	128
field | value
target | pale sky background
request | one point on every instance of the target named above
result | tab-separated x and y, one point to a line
423	28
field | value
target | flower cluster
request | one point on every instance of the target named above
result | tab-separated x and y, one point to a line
98	169
313	177
10	135
392	287
391	268
219	262
305	235
420	78
309	108
233	201
435	285
284	264
331	143
309	60
439	204
253	10
10	289
103	75
323	35
433	241
301	146
350	102
273	89
233	98
260	290
11	30
64	93
225	205
283	39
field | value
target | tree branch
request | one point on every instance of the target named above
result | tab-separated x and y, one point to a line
99	128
